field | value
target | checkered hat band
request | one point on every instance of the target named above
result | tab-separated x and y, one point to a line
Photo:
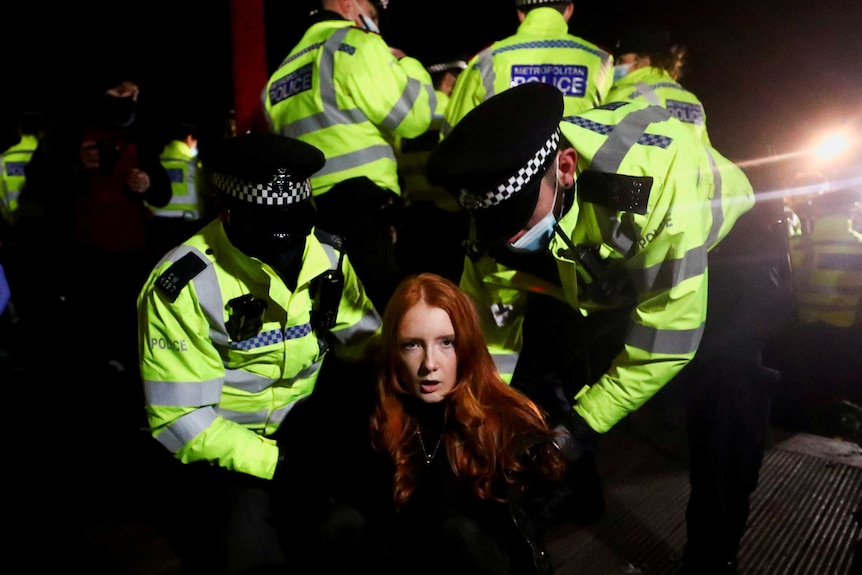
526	3
515	183
279	192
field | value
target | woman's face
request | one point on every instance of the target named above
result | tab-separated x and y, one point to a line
426	353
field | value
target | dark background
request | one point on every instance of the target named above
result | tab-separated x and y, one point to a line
772	75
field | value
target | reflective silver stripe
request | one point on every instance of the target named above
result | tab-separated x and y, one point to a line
621	234
186	428
184	393
327	79
404	104
668	341
445	128
211	301
247	381
244	417
432	101
356	158
280	414
253	383
321	120
306	373
505	362
369	323
331	254
717	211
648	93
624	136
485	64
669	273
331	115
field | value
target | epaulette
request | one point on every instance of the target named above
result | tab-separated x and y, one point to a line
181	272
618	192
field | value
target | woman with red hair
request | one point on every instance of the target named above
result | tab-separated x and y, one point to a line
472	461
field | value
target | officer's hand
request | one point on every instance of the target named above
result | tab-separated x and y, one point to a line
139	181
576	438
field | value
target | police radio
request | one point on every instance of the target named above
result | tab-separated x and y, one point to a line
602	283
329	289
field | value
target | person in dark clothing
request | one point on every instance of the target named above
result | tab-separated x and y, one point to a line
463	463
92	176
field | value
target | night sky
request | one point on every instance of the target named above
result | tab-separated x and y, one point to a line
770	77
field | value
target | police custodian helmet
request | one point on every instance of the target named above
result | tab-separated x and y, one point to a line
495	157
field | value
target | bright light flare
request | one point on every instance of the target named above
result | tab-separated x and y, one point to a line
832	146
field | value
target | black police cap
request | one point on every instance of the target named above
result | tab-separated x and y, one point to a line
496	156
263	168
644	38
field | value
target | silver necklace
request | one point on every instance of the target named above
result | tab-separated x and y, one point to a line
428	458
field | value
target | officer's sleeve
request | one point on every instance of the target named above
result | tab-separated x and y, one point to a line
666	325
467	93
395	94
358	325
183	376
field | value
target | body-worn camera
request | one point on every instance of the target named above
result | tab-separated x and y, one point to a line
246	317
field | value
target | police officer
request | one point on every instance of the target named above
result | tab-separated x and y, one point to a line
174	222
345	91
601	227
728	376
541	50
14	159
648	66
234	327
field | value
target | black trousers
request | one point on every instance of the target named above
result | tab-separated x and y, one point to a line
727	420
726	394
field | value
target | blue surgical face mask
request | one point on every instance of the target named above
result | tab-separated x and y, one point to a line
539	236
621	71
368	22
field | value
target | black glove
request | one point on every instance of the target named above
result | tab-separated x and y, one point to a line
578	443
576	438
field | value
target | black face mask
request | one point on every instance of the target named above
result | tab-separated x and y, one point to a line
118	112
273	235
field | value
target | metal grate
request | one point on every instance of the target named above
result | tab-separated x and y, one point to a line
801	521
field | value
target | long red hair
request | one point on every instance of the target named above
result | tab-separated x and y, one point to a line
490	425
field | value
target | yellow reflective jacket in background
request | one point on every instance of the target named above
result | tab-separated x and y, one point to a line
182	167
827	272
663	253
656	86
210	397
541	50
412	155
341	89
12	177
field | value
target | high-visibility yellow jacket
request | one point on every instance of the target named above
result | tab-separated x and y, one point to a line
541	50
827	272
182	167
341	89
656	86
12	176
212	398
663	253
412	155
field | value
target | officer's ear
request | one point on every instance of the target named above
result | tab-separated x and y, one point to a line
568	163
